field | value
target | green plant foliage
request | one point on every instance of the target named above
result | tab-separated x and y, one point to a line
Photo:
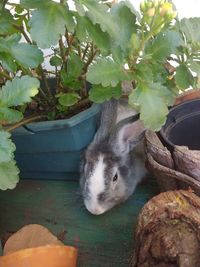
6	22
98	14
74	65
13	93
124	19
54	18
7	62
191	28
34	3
55	61
107	72
99	94
195	66
25	54
100	42
9	175
144	72
68	99
183	77
18	91
152	100
70	82
164	45
80	9
6	147
10	115
100	38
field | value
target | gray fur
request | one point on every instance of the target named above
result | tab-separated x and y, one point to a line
121	149
108	119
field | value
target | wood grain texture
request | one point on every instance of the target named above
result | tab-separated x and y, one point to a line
168	231
102	241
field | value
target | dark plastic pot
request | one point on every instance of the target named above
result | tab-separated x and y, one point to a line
183	126
53	149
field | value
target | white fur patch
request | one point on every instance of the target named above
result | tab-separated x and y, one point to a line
96	186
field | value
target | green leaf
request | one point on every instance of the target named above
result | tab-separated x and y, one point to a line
74	66
70	82
183	77
9	41
54	17
99	94
125	19
27	55
118	54
195	66
68	99
107	72
191	28
87	31
159	72
79	7
9	175
152	101
81	32
8	62
97	12
120	16
6	22
55	61
143	72
34	3
135	42
164	45
9	115
18	91
7	147
100	38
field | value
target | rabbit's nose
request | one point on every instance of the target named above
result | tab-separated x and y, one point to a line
94	208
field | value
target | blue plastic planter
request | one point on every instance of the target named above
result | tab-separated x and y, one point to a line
53	149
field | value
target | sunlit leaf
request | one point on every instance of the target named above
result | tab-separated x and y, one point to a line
99	94
18	91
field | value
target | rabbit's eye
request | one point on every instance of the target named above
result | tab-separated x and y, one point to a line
115	177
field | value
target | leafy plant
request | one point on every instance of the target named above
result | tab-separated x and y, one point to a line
100	42
73	43
13	93
157	53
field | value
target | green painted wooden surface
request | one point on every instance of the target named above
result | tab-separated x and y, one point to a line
102	241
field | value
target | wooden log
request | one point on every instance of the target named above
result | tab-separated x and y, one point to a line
168	231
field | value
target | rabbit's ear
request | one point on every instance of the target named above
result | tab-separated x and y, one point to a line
108	120
128	133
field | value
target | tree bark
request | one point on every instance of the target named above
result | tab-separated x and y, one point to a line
168	231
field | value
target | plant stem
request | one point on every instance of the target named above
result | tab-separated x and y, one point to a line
21	29
5	75
90	59
85	51
62	50
79	51
57	80
43	76
25	121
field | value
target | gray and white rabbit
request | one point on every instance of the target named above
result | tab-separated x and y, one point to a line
114	161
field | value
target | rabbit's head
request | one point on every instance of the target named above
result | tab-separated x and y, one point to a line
111	170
